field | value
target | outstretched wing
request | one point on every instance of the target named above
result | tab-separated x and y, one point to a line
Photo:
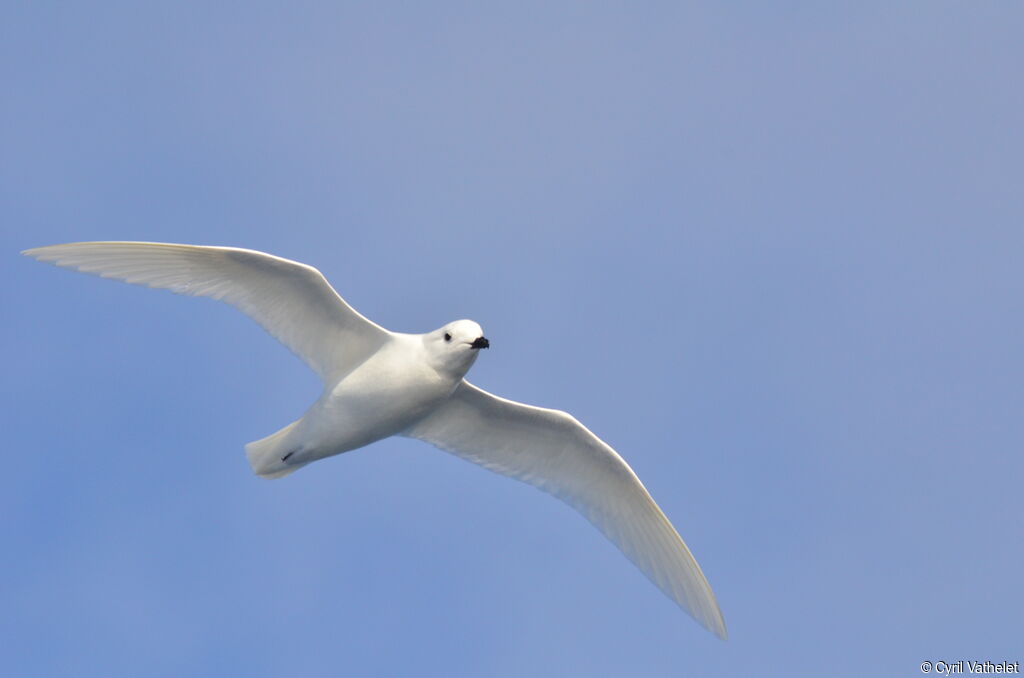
292	301
552	451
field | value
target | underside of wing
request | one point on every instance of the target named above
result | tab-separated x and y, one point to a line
552	451
292	301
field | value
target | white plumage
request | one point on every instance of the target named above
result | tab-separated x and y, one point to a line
379	383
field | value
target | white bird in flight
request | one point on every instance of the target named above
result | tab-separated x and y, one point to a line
379	383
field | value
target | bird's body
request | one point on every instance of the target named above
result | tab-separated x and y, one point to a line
379	383
381	397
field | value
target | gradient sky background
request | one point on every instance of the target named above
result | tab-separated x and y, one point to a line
771	252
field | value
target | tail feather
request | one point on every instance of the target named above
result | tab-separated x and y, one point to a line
265	455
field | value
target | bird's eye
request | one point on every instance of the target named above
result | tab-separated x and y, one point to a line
447	337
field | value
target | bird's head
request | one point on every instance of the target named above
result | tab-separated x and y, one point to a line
455	346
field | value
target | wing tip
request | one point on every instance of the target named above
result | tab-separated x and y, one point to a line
702	607
710	617
50	253
713	619
717	627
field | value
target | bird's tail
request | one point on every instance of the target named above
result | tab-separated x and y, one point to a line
268	456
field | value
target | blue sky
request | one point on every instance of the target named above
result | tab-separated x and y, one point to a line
771	252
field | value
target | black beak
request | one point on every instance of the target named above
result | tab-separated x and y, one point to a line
480	342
